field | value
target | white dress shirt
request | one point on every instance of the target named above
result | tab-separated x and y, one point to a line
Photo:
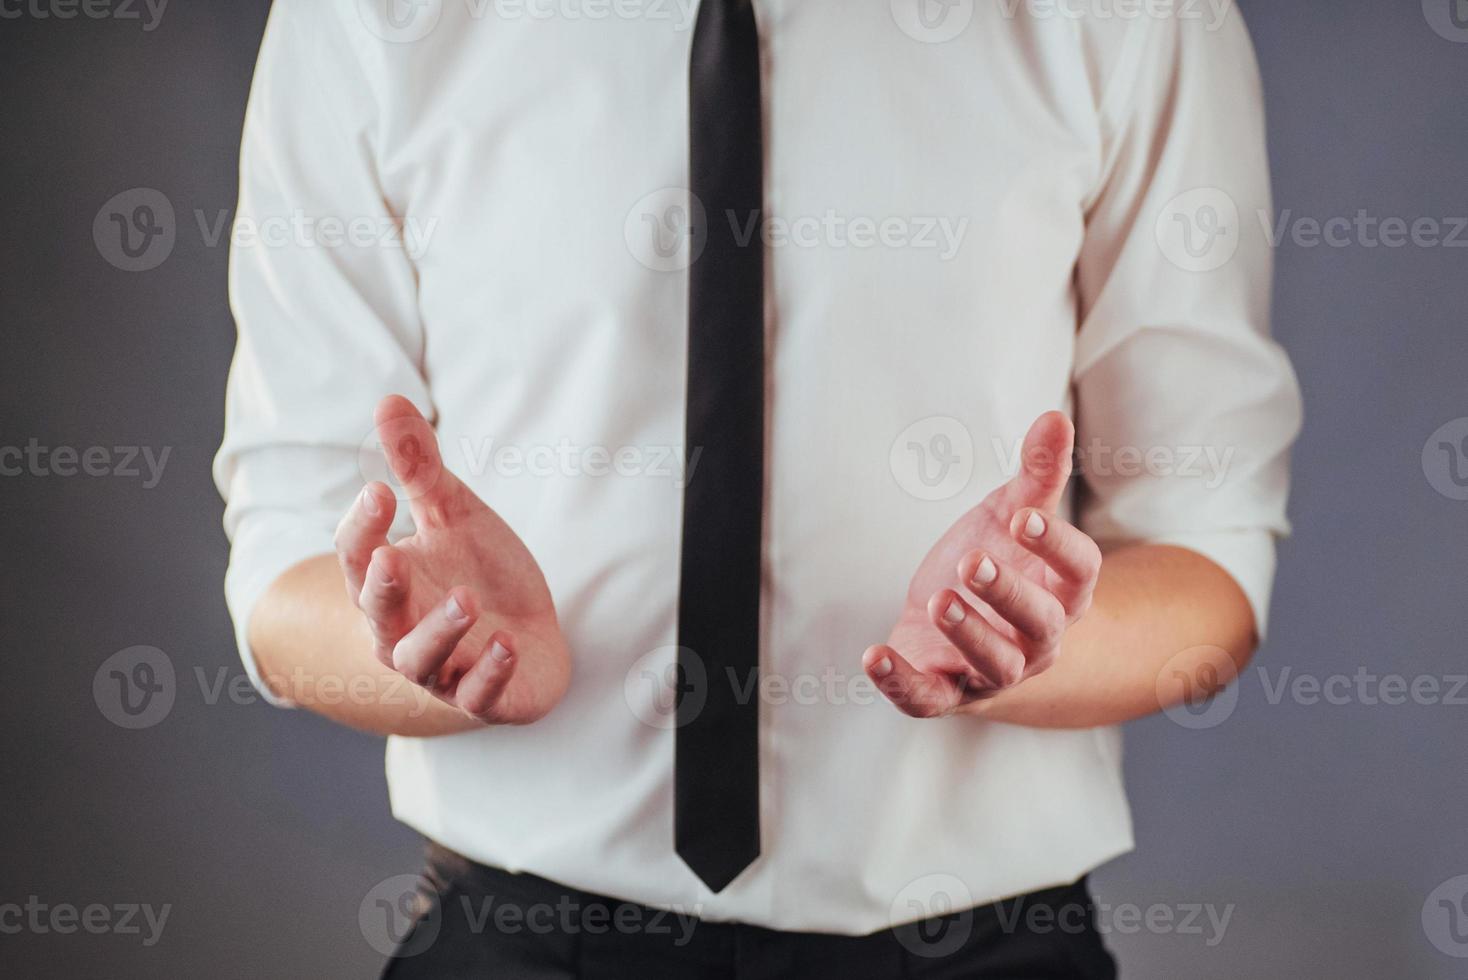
972	218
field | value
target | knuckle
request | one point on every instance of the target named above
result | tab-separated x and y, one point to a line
1091	559
982	637
972	640
379	593
1051	627
917	707
1042	663
971	686
371	605
406	664
1011	672
479	705
435	513
906	697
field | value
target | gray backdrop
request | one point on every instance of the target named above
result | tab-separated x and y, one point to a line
1328	829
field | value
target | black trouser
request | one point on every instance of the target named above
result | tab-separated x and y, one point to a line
484	922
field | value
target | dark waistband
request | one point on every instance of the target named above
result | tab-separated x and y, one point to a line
449	870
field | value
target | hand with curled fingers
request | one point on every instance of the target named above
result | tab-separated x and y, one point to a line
991	601
459	607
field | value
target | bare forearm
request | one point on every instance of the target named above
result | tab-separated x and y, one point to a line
1157	609
314	648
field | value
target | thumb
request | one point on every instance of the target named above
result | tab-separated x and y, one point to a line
1045	462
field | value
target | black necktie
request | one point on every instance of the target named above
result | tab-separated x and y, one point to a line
716	772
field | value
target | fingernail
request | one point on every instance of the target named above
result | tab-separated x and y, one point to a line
882	667
499	652
1035	526
454	611
953	615
369	503
986	572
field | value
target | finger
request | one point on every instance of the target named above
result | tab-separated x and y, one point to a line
420	655
914	692
386	589
1072	557
1045	463
993	656
1024	603
481	687
362	530
411	448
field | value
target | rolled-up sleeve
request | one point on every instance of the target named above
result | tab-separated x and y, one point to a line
1185	406
324	299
